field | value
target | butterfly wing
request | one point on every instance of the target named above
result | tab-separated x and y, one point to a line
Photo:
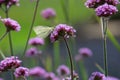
42	31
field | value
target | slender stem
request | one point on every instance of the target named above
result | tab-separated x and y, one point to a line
70	58
1	53
83	70
30	31
105	25
9	34
3	35
10	42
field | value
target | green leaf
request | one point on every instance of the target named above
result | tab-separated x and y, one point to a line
113	40
42	31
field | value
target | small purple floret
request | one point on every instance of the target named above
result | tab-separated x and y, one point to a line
62	30
9	63
106	10
48	13
97	76
21	72
36	41
63	70
11	24
37	72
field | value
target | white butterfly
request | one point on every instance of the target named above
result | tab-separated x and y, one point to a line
43	31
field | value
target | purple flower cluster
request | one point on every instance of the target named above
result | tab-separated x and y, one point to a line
11	24
32	52
103	8
62	30
63	70
97	76
9	63
21	71
83	53
37	72
36	41
48	13
9	3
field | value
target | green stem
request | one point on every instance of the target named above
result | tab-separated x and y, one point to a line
104	26
31	27
83	71
10	42
9	34
3	56
3	35
70	58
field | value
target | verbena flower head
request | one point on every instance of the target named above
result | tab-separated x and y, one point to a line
62	30
106	10
37	72
96	3
36	41
97	76
9	63
63	70
32	52
85	52
48	13
21	72
11	24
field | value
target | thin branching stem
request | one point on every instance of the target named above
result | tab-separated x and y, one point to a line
3	35
9	33
31	27
1	53
70	58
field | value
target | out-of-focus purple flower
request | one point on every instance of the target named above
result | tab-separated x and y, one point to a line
111	78
85	52
112	2
50	76
1	2
106	10
63	70
36	41
97	76
62	30
32	52
37	72
48	13
21	72
96	3
9	63
12	2
1	78
11	24
9	3
93	3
